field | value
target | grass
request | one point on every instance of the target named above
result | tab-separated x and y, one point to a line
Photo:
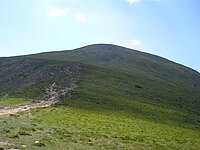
12	101
74	128
113	91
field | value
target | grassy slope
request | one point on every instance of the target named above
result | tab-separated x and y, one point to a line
74	128
117	105
118	92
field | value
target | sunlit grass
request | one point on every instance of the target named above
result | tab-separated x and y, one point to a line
12	101
65	127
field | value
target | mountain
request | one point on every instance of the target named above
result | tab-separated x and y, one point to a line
159	80
108	78
133	73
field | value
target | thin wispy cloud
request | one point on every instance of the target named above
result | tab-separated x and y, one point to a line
133	1
136	42
80	17
56	12
137	1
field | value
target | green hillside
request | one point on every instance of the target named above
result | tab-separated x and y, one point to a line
125	99
128	61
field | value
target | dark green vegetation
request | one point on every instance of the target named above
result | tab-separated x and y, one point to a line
125	100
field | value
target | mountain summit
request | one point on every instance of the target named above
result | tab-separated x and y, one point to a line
129	61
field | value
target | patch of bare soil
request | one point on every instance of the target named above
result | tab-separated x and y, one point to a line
5	143
9	111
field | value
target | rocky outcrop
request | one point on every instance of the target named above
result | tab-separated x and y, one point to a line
55	90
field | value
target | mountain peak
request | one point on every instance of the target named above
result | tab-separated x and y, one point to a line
128	61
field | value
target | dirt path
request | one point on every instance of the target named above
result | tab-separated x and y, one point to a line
51	97
40	104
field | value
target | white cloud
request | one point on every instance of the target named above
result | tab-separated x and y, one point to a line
80	17
136	42
133	1
56	12
136	1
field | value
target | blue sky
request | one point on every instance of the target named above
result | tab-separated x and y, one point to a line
168	28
